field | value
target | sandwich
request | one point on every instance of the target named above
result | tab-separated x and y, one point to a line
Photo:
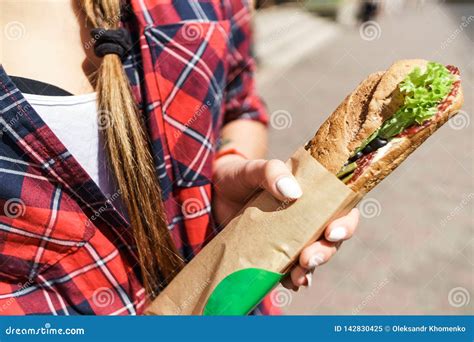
374	129
385	119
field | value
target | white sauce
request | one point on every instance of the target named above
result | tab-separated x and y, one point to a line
383	150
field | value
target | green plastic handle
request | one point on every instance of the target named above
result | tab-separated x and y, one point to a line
240	292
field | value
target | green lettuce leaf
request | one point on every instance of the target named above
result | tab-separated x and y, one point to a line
423	91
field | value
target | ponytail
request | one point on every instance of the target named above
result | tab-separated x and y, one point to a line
129	149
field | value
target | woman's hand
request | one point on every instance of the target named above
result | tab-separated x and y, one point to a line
235	181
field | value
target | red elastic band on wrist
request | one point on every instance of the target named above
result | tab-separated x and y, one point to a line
229	151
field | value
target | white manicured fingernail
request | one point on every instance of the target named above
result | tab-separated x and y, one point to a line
289	188
309	279
337	234
315	260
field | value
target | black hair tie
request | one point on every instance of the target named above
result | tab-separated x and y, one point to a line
111	41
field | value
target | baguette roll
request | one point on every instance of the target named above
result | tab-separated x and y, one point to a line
330	145
363	112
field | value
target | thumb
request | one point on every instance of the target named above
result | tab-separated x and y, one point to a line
274	176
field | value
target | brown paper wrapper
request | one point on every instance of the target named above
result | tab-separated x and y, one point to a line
267	234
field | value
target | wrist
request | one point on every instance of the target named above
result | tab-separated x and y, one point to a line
226	152
228	156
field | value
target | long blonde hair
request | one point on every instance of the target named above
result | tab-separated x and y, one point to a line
128	148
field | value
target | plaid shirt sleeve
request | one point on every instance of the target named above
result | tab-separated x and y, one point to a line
242	101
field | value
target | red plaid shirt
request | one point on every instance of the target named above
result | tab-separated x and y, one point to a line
64	249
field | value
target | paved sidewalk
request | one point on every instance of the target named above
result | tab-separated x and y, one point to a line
413	253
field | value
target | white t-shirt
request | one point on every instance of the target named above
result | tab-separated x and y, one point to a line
73	119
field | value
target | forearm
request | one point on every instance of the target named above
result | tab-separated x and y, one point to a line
247	136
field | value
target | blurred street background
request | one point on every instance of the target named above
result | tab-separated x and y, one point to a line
414	251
